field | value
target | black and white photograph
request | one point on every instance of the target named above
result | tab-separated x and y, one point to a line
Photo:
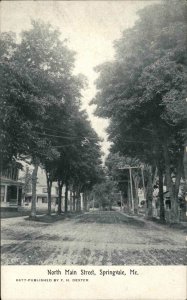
93	115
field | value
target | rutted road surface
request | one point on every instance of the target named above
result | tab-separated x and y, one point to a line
95	238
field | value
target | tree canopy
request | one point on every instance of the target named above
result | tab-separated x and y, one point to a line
40	111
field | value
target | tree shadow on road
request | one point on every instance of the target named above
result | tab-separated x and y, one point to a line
106	218
48	219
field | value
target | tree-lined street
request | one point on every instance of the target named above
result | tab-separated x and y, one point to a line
141	91
94	238
93	149
95	207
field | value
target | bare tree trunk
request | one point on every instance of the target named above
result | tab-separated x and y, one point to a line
88	201
71	198
179	172
129	199
34	182
149	194
60	185
155	176
78	201
49	187
185	165
185	177
85	201
49	198
161	195
136	184
170	186
66	198
27	182
74	201
178	175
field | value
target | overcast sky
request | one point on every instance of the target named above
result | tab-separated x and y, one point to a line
90	27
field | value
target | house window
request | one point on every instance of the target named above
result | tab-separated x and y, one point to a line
44	200
44	190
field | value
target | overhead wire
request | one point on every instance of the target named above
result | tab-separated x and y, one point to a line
66	133
71	137
67	137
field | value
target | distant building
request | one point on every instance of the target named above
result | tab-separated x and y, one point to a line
11	187
41	192
41	196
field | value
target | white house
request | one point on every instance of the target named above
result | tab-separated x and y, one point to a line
10	187
41	189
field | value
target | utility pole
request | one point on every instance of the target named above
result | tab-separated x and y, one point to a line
132	199
130	175
143	182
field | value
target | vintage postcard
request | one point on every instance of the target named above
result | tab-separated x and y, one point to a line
93	162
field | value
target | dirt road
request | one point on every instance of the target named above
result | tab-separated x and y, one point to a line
95	238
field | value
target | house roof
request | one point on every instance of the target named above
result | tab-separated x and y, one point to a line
4	180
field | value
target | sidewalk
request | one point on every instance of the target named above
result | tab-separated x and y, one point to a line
156	222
